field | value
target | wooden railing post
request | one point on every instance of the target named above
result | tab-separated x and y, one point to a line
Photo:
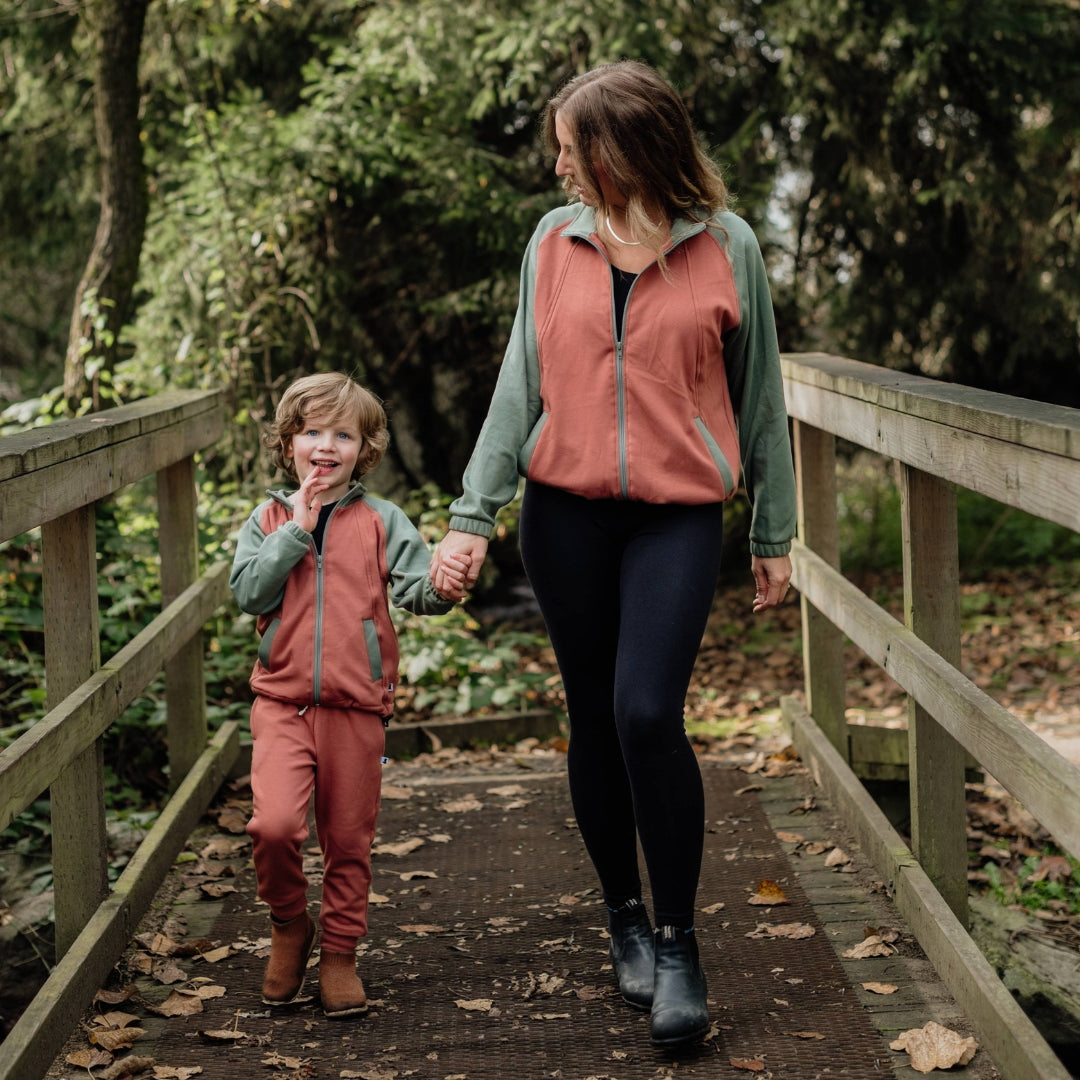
73	654
823	643
185	684
932	611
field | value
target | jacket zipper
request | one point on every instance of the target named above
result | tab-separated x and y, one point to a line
316	682
620	389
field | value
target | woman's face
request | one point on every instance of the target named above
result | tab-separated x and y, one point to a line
567	167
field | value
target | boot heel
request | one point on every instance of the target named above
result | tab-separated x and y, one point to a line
632	953
680	1012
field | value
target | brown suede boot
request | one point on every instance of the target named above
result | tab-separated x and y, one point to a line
290	948
340	987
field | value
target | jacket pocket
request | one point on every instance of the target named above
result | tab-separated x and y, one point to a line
529	447
267	643
721	462
371	639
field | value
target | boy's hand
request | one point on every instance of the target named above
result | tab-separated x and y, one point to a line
306	503
452	579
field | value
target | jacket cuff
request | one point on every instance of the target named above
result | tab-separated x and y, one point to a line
471	525
770	551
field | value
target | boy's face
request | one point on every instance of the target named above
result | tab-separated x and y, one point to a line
330	444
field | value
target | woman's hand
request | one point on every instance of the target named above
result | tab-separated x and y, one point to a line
771	576
462	544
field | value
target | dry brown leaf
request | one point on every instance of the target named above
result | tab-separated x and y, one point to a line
507	790
768	894
402	847
214	955
805	1034
880	988
815	847
172	1072
712	909
223	848
378	898
179	1003
222	1035
90	1058
232	820
871	946
393	791
158	944
116	1038
410	875
462	806
114	1019
282	1061
789	837
935	1047
422	929
795	931
474	1004
216	889
114	997
749	1064
837	857
131	1065
749	787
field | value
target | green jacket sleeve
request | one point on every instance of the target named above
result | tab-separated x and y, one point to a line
491	477
262	563
752	360
408	560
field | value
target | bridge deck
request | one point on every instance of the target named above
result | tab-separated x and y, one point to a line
487	954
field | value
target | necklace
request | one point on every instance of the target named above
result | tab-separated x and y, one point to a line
627	243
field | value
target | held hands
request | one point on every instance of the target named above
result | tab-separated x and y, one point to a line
458	552
454	572
771	576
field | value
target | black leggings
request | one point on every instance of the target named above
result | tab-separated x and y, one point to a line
625	589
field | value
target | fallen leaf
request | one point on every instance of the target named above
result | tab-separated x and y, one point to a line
871	946
216	889
114	997
171	1072
507	790
837	857
402	847
232	820
214	955
880	988
795	931
474	1005
789	837
815	847
114	1019
89	1058
158	944
749	787
805	1034
462	806
116	1038
749	1064
225	1035
131	1065
712	909
935	1047
422	929
768	894
410	875
223	848
276	1060
393	791
179	1003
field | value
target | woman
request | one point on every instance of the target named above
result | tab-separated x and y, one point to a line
641	371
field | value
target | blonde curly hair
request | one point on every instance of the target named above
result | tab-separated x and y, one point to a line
333	396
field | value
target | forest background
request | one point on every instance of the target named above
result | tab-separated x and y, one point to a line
228	193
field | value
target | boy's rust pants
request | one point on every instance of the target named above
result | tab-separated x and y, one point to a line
337	754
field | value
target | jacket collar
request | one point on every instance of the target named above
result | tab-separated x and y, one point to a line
583	226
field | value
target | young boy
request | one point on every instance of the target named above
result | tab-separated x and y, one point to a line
314	566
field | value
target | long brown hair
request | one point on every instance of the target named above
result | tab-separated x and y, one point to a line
633	122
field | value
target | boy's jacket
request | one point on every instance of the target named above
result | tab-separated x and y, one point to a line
324	619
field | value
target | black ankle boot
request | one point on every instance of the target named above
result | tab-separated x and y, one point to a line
632	952
679	1010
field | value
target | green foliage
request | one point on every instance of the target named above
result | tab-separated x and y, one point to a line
1033	889
455	670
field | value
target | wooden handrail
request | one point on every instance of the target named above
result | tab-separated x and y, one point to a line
1024	454
51	477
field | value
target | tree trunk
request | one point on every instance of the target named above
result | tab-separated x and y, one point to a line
103	298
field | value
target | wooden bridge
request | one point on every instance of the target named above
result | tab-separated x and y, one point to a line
940	436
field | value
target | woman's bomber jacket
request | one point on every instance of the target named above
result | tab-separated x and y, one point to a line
323	618
668	413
